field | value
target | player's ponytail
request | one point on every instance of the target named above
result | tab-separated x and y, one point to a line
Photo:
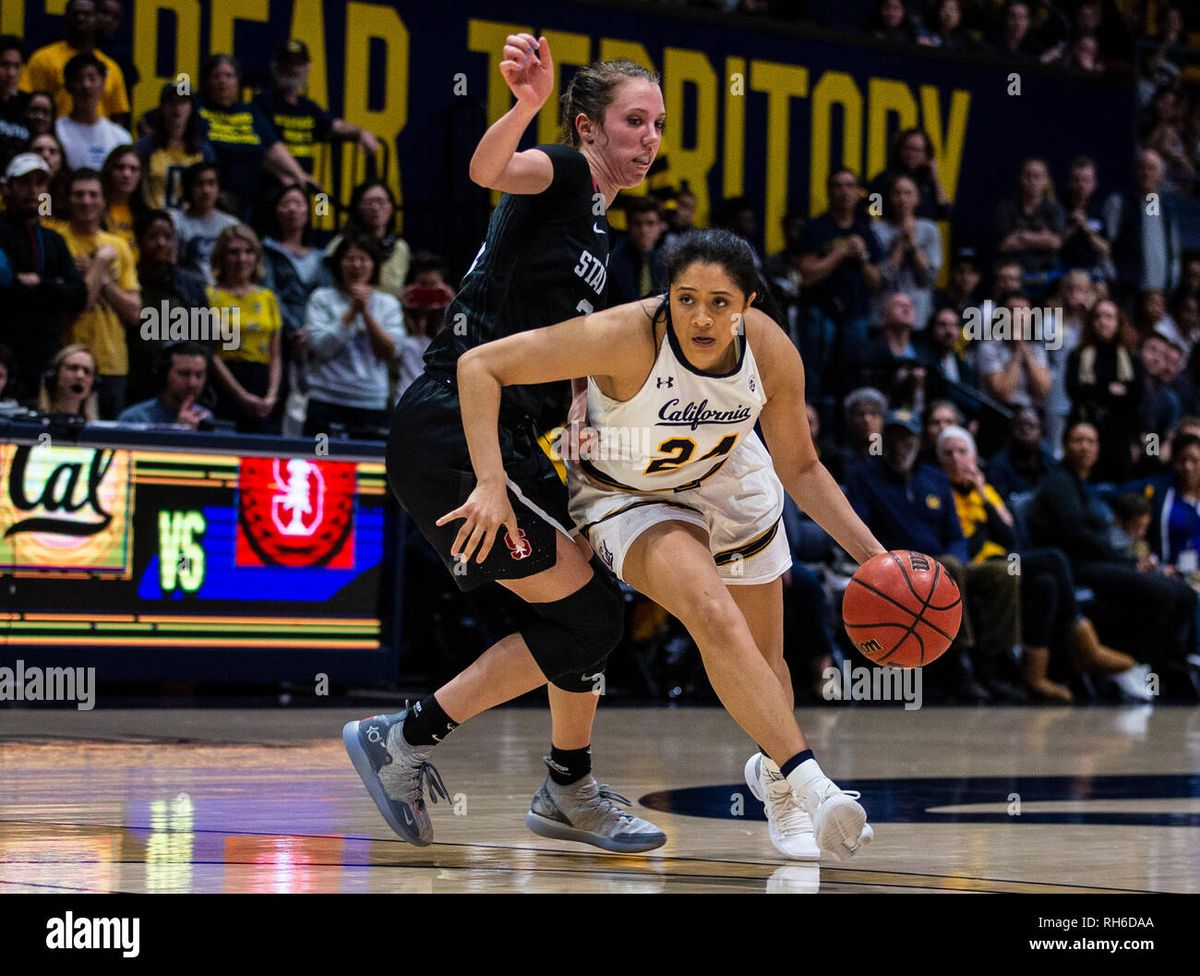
764	300
593	89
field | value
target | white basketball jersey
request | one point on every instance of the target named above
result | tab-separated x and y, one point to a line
679	428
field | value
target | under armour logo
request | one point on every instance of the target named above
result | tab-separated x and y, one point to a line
669	381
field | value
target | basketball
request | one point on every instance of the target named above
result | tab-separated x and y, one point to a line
902	609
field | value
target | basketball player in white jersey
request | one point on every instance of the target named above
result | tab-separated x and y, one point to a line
682	500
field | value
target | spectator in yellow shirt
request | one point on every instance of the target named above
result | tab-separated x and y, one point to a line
174	144
44	69
248	375
122	174
114	298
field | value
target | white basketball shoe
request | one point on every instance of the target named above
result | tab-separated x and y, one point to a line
839	820
790	828
829	820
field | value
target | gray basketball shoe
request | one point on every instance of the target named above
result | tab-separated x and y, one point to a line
395	774
587	811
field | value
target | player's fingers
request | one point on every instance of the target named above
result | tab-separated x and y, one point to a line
518	58
477	533
486	543
459	540
544	53
458	513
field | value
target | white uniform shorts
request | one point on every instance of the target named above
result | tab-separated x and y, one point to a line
740	507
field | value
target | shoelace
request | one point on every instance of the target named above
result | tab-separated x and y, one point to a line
603	795
606	792
793	820
788	811
612	798
429	780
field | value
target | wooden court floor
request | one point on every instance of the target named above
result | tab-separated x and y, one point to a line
962	800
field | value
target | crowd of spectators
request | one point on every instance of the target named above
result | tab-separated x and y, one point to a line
114	228
1033	404
1093	36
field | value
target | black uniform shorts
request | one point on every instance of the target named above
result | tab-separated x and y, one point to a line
429	470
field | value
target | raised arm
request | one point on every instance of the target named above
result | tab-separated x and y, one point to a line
784	422
529	72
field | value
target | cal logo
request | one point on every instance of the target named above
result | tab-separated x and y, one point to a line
933	501
65	510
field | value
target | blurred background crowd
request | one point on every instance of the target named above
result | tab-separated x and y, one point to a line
1057	444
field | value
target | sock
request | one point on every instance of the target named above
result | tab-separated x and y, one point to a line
787	767
427	724
804	775
568	766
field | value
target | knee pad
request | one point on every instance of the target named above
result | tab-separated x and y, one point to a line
575	635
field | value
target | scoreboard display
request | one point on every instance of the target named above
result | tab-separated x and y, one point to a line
194	560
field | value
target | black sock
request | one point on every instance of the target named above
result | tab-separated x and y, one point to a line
568	766
427	724
795	761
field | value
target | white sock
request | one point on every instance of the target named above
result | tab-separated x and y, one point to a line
805	779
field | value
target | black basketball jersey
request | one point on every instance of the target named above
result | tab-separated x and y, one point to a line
544	260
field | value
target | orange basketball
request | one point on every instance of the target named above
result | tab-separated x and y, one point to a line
902	609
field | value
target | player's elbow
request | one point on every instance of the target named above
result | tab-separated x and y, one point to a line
472	366
481	175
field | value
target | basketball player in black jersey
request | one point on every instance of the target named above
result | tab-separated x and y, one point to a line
544	260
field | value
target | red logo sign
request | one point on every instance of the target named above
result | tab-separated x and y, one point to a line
295	512
519	549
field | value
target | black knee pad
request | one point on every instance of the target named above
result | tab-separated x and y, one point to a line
576	634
